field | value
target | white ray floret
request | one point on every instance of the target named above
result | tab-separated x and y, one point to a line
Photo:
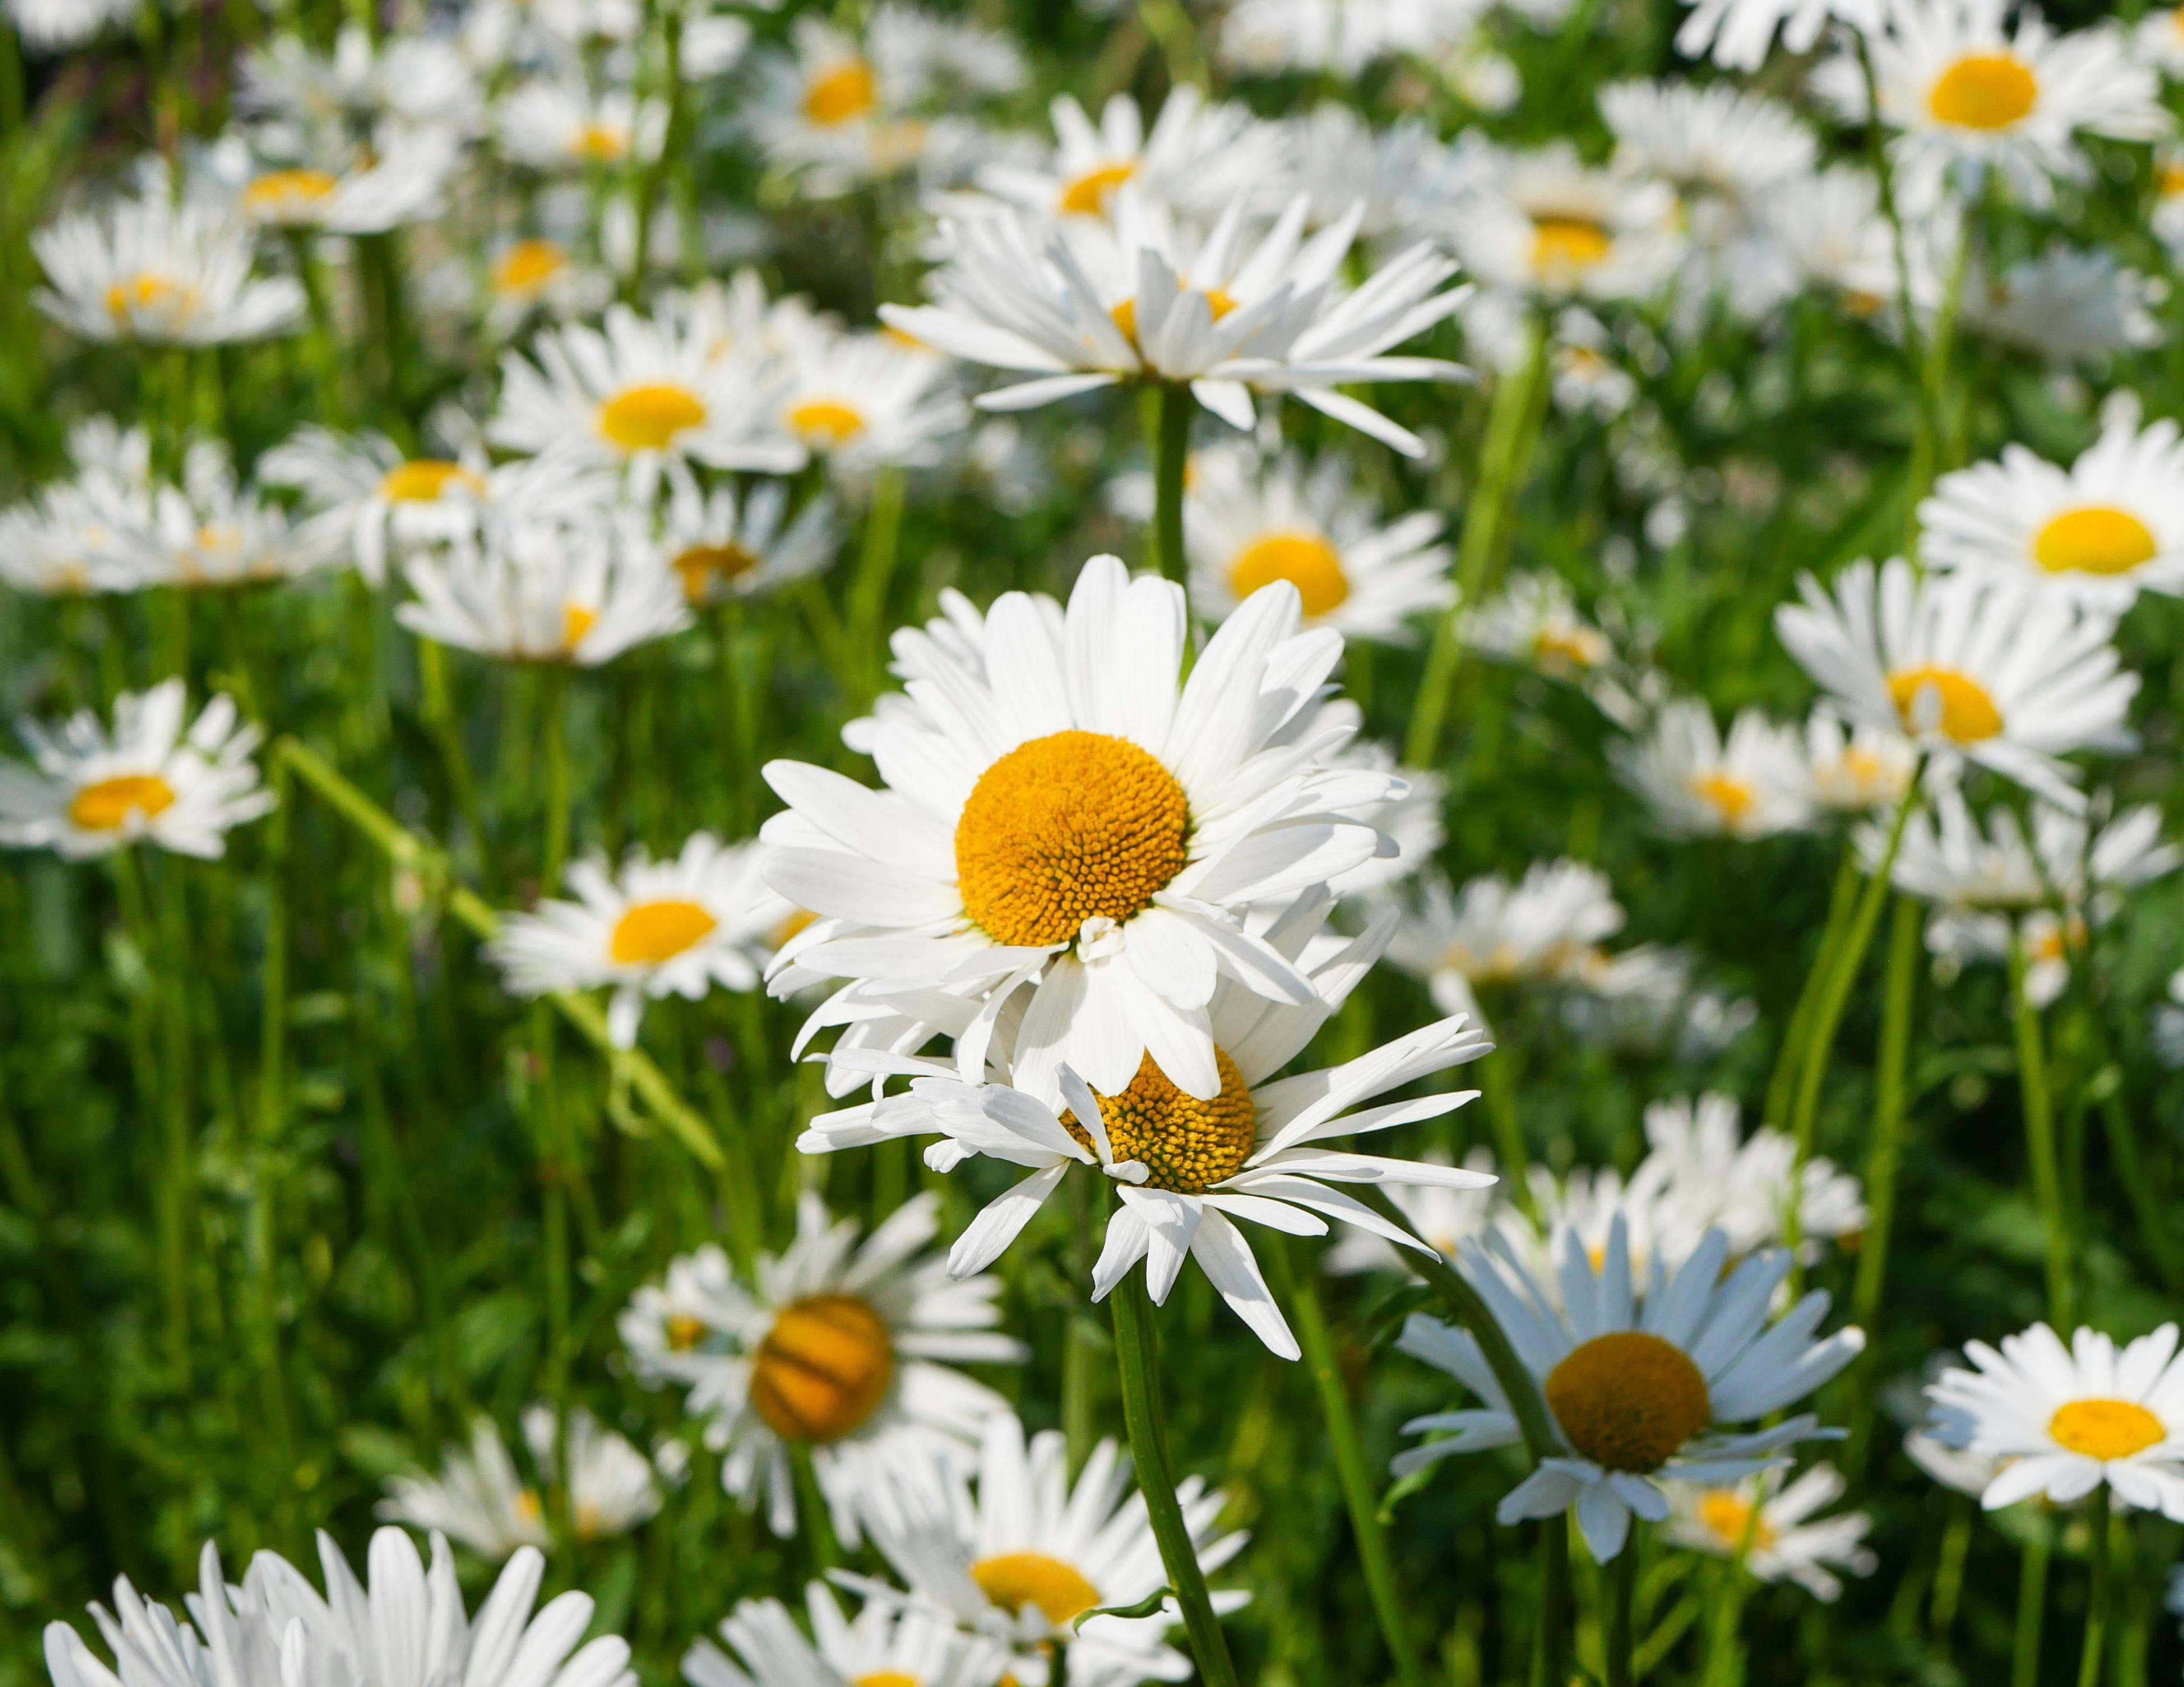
884	1644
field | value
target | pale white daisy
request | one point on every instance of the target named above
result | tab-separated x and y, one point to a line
400	179
94	791
537	273
1829	229
1985	670
67	537
1715	139
480	1501
2159	40
1647	1000
212	532
1413	819
419	78
557	124
2106	528
1536	622
221	1641
723	544
1737	33
1538	931
886	1646
1065	816
1770	1529
860	402
1643	1386
1587	379
1712	1176
2070	1419
1857	769
1953	1468
48	26
2167	1032
151	270
544	592
848	1351
1195	158
1266	37
1699	784
2066	305
1545	223
1248	523
649	929
1411	182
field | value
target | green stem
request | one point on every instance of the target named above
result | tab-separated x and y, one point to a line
1551	1638
448	733
271	1114
1497	1077
1137	1363
553	706
1171	456
1719	1667
2092	1656
868	594
1079	1404
1781	1087
2040	1137
1949	1571
178	1174
1370	1534
818	1521
1622	1576
653	178
2031	1608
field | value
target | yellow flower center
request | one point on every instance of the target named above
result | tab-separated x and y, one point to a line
1728	1518
1628	1400
885	1678
1968	712
1578	646
847	91
1305	561
647	418
1983	91
684	1333
527	266
600	142
1184	1144
827	422
823	1368
1562	245
790	926
2105	1429
649	933
1086	195
1218	301
146	291
1013	1580
703	567
287	192
586	1520
2169	180
576	620
427	481
107	805
1066	829
2098	538
1731	798
528	1509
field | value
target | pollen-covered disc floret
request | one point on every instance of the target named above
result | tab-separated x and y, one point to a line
823	1368
1628	1400
1184	1144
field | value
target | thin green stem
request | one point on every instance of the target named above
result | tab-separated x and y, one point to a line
1079	1384
1621	1580
876	567
1497	1077
272	1117
653	178
2093	1655
160	1089
552	707
1551	1637
1842	899
1171	455
2040	1135
2031	1608
1719	1667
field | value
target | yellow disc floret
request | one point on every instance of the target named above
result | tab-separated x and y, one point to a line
823	1368
1968	712
649	933
1983	91
2096	539
1564	245
1730	1521
826	423
2105	1429
1308	561
1086	195
1730	796
648	418
845	90
1013	1580
427	481
1069	828
107	805
1184	1144
703	567
1627	1401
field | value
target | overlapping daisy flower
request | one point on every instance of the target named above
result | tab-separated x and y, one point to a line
1195	158
1770	1528
1752	783
884	1644
1539	930
480	1501
147	270
844	1350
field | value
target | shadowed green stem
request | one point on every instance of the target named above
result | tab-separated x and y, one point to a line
1171	453
2040	1136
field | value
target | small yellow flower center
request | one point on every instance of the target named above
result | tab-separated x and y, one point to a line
427	481
2169	180
790	926
107	805
1564	246
825	422
2105	1429
1727	1518
1086	195
823	1368
1983	91
588	1520
2097	539
1731	798
1968	714
836	96
704	566
146	291
1305	561
527	266
885	1678
1184	1144
649	933
1627	1401
1581	647
576	620
1066	829
600	142
647	418
289	193
1218	301
1013	1580
528	1511
684	1333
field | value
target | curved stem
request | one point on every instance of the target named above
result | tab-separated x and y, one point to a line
1171	453
2040	1136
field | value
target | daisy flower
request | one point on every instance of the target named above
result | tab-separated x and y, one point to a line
1442	1217
1184	1168
1022	1553
1969	668
1195	158
1248	524
1752	784
2106	528
421	79
886	1646
544	592
1716	140
1712	1176
147	269
649	929
1409	182
1586	379
1496	934
1535	622
862	402
153	1648
1771	1530
211	531
2070	1419
1737	33
1091	305
65	539
1954	1469
2065	306
1856	770
1068	817
558	123
847	1351
1828	229
641	393
724	545
2159	40
1266	37
479	1501
398	181
49	27
536	273
1643	1388
94	791
1546	223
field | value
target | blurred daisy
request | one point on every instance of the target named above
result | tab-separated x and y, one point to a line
57	26
1535	622
641	393
1769	1528
1537	931
389	185
1092	305
1442	1217
67	537
648	928
1068	819
93	791
1752	784
1266	37
543	276
1991	671
722	545
1587	379
2167	218
2168	1030
1411	819
1248	524
836	1348
1828	228
2106	528
1858	769
479	1501
1026	1552
887	1645
1643	1386
1409	182
2065	305
211	533
1954	1469
2070	1419
556	124
544	592
860	402
2158	39
1714	139
1546	224
1196	157
419	78
1737	33
150	270
1712	1176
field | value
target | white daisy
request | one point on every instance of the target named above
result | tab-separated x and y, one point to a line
723	545
848	1351
558	123
48	26
398	180
1737	33
1767	1526
536	273
1829	230
1642	1387
211	531
1712	1176
887	1645
2168	1029
2105	529
649	928
1247	524
1442	1217
1587	379
862	402
1411	182
419	78
2070	1419
1752	784
2167	216
1546	223
2066	306
67	537
1538	931
223	1641
2159	40
1536	622
151	270
1065	816
1091	304
1991	671
1266	37
1953	1468
480	1501
1195	159
1858	769
94	791
1715	139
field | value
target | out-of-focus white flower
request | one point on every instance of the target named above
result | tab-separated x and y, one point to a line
1537	931
151	270
1535	622
1750	784
480	1500
1828	228
1737	33
860	402
211	531
886	1646
1587	381
1857	769
2067	306
725	544
545	592
56	25
1194	159
1767	1527
1266	37
66	538
1411	182
557	124
419	79
1544	223
368	192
